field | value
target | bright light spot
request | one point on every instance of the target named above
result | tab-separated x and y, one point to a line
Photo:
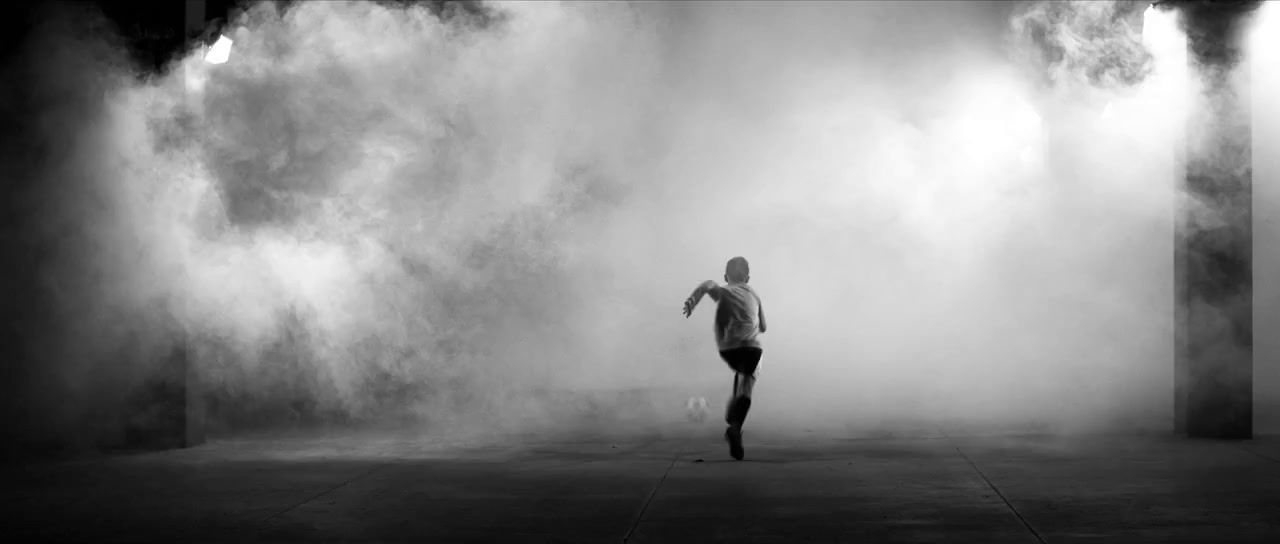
1024	119
999	119
1161	32
1167	91
194	76
1266	25
220	52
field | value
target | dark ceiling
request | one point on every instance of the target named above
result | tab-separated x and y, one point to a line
155	29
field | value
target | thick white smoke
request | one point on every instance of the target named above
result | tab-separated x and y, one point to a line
952	210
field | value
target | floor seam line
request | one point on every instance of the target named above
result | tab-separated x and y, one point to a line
1004	499
1259	454
322	493
653	493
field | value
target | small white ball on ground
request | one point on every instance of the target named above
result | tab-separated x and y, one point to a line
696	409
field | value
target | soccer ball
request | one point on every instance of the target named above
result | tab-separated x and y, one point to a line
696	409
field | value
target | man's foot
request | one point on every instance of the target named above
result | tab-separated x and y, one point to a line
734	436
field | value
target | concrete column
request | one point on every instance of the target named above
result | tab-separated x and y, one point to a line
194	18
1265	57
193	397
1214	245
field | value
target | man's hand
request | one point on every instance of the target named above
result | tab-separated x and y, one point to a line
689	303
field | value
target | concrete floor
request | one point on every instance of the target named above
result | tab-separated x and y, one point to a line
682	487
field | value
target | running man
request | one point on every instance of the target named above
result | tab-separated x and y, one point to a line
739	322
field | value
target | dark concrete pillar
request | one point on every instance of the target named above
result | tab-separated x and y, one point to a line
193	428
1213	252
1265	62
194	18
169	411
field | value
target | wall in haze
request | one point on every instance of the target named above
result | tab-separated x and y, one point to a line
956	211
1266	215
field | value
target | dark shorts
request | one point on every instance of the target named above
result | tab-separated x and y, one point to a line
742	360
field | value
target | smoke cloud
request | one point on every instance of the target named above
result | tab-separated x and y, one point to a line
953	211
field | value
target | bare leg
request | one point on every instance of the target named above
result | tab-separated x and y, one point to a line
736	414
740	400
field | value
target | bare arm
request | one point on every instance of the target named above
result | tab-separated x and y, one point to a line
705	288
763	327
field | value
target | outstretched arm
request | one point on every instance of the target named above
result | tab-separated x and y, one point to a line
705	288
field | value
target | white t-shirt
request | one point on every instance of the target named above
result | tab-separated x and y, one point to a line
737	316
